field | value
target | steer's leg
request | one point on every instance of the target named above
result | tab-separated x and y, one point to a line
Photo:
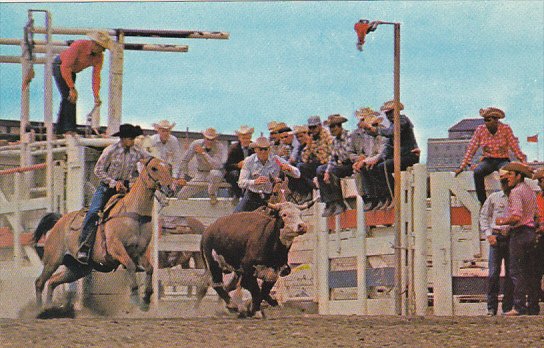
265	292
249	282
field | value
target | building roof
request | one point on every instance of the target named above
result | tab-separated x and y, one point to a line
466	125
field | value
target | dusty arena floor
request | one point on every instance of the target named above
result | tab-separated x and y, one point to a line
284	327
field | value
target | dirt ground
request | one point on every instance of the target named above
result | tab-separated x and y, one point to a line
283	327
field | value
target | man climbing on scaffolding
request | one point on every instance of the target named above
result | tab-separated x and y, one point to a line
80	55
363	27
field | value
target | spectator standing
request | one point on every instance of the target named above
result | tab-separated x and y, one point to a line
522	210
539	175
339	166
495	138
209	155
495	206
237	153
258	174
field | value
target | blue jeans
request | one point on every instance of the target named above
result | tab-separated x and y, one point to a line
498	253
523	256
251	201
332	191
484	168
66	121
101	196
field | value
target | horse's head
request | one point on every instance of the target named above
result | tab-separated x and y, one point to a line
156	175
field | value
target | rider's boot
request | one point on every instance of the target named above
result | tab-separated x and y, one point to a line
86	239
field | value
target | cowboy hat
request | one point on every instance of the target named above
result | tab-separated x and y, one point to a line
164	124
539	173
210	133
300	129
127	130
365	112
282	128
260	142
314	121
334	119
492	112
271	125
519	167
244	130
102	38
390	105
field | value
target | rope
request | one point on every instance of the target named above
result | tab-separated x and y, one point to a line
23	169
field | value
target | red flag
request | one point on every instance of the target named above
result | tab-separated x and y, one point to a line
533	139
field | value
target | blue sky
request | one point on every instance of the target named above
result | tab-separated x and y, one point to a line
289	60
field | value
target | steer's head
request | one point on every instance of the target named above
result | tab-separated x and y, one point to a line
291	215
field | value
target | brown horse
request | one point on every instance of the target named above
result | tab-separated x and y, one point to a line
122	237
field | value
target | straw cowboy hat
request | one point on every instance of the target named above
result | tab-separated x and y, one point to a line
390	105
365	112
271	125
282	127
210	133
260	142
492	112
164	124
334	119
300	129
102	38
314	121
519	167
244	130
127	130
539	173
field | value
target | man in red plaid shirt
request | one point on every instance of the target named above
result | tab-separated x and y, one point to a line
495	138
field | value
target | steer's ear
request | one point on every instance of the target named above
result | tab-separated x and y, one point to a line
274	206
307	205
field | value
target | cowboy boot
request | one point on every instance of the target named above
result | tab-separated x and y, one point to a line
86	239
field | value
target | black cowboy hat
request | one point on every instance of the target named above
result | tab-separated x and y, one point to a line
128	131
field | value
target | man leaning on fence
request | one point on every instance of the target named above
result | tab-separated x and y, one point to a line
495	206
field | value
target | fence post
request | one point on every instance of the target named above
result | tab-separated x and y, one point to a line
322	251
361	257
420	238
17	225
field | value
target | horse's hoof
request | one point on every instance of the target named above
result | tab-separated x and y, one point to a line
242	315
144	307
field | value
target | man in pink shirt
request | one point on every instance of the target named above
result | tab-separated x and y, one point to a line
522	210
80	55
496	139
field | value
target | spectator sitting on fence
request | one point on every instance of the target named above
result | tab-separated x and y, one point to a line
115	168
539	176
288	143
274	136
495	206
302	136
258	174
316	152
340	165
495	138
165	146
409	152
522	210
367	150
238	152
209	155
80	55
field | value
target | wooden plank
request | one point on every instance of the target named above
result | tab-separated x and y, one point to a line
179	242
197	208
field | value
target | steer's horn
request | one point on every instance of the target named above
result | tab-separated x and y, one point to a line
307	205
273	206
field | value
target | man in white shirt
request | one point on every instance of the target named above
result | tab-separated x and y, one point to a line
166	146
496	206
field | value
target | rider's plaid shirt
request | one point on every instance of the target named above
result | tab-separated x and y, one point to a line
117	163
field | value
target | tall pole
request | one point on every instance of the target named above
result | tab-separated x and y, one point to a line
396	155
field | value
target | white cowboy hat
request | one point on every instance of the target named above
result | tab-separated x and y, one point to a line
102	38
244	130
164	124
210	133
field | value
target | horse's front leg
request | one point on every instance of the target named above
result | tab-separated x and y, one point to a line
146	264
118	252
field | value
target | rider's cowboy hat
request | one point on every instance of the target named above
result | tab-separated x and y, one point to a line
492	112
127	130
164	124
244	130
519	167
210	133
261	142
335	119
390	105
102	38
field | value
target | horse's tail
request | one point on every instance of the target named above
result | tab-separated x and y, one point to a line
46	223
